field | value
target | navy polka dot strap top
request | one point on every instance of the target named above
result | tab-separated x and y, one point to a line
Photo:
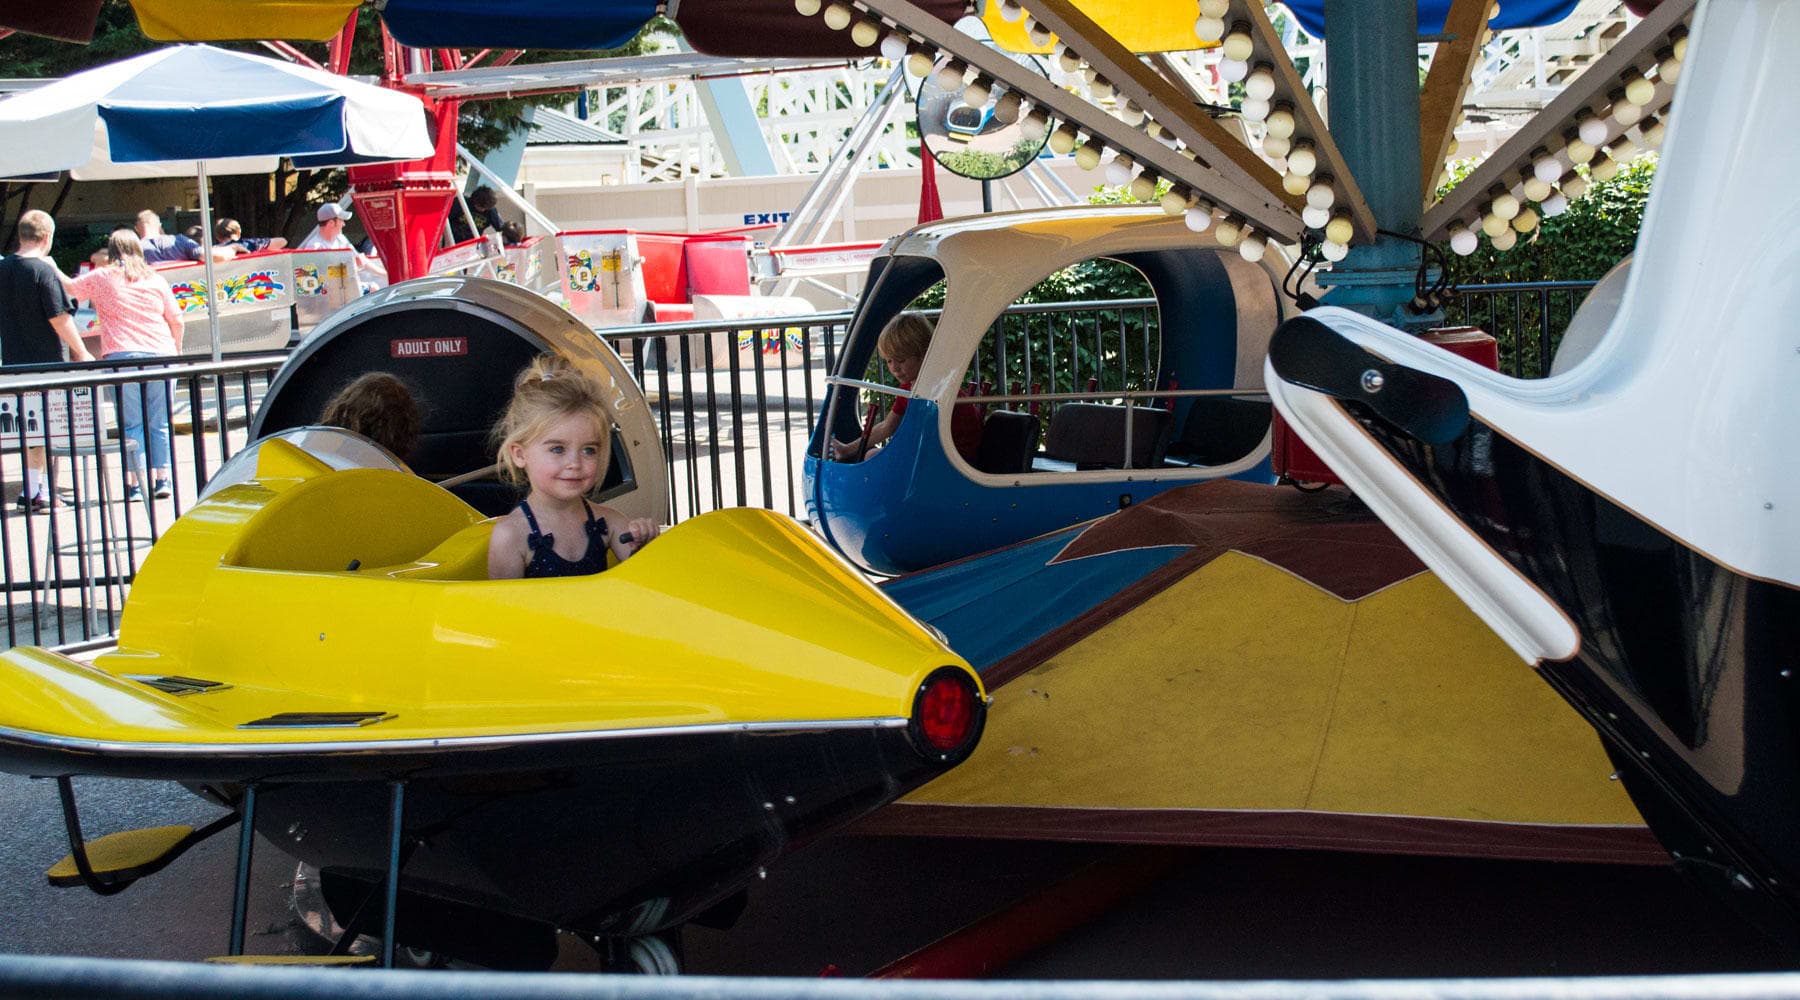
544	558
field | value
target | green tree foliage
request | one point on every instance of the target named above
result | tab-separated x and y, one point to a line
1582	244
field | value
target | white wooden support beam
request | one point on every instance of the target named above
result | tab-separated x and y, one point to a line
1594	91
1258	195
1441	102
1309	125
1217	178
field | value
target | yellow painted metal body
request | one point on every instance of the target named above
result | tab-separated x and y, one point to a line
233	20
739	616
1139	26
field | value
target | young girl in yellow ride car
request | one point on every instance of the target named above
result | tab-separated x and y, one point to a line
556	436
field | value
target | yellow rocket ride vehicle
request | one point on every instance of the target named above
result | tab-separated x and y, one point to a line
614	754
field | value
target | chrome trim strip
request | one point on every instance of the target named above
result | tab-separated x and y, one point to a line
450	744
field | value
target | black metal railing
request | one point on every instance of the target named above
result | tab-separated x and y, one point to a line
70	554
1527	318
734	424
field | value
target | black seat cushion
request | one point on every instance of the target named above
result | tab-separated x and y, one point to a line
1092	435
1220	430
1009	439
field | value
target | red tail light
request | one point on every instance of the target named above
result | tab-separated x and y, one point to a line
947	713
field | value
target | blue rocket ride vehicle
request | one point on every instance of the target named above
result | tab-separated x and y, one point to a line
1080	413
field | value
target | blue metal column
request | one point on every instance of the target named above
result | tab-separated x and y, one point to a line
1372	79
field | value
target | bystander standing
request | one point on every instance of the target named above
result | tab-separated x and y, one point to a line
36	325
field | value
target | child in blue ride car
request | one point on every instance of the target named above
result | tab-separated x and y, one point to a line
556	436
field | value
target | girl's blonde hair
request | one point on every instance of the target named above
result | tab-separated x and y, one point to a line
908	335
124	249
549	389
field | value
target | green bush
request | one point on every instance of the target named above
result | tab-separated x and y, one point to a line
1582	244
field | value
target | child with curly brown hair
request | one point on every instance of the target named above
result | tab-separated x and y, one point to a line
380	407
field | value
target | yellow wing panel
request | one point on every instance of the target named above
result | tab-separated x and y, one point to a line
235	20
1243	687
1139	25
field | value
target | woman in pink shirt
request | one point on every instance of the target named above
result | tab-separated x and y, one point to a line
138	319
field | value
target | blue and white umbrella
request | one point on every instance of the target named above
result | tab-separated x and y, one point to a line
200	110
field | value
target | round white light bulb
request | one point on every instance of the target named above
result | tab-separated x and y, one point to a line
1101	88
893	48
838	16
1604	169
951	76
1036	125
976	94
866	33
1339	229
1315	218
1209	29
1040	36
1463	242
1302	160
1653	132
1229	231
1198	218
1233	70
1131	114
808	8
1295	184
1143	186
1238	46
1276	146
1062	141
1506	206
1555	205
1088	156
1280	122
919	63
1493	225
1173	201
1007	108
1506	240
1573	186
1639	91
1067	59
1260	84
1215	8
1592	131
1525	221
1626	113
1580	151
1536	189
1252	247
1119	170
1669	70
1679	47
1334	252
1254	109
1546	169
1320	195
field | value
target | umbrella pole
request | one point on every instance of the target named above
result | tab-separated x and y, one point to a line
206	234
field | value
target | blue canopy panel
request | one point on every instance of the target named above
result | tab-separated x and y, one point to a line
518	24
1513	14
314	124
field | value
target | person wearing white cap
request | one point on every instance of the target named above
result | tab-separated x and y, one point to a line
329	235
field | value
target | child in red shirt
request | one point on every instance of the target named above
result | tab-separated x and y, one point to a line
902	346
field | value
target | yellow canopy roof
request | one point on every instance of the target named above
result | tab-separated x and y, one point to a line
1139	25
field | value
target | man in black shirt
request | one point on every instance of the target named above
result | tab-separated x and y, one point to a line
34	315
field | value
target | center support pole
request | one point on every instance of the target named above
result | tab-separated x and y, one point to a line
1372	78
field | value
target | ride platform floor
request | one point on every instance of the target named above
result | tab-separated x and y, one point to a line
860	903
